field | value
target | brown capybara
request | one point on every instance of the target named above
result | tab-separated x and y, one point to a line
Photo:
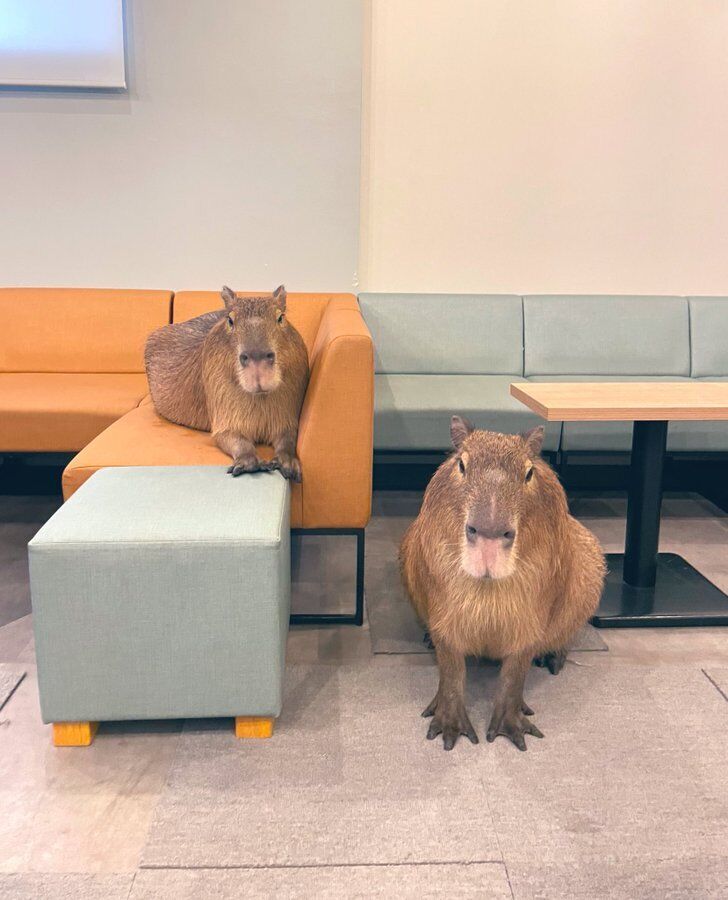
241	373
495	566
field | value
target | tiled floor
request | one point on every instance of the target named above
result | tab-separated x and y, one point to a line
626	797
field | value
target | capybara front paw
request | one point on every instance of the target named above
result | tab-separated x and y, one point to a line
450	723
553	661
247	463
288	466
512	724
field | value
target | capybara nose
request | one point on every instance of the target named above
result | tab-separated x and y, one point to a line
257	356
490	532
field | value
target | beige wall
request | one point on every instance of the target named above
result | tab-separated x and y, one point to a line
234	156
568	145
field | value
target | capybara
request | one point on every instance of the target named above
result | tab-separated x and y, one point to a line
241	373
495	566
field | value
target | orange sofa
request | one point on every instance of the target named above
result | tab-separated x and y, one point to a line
71	362
335	435
72	378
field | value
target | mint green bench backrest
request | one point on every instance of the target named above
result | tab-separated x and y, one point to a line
709	336
445	334
606	335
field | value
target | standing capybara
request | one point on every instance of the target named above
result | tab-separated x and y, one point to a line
241	373
495	566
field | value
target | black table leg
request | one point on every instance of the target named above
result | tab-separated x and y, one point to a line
644	587
643	505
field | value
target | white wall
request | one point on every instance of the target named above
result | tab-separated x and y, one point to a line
568	145
234	157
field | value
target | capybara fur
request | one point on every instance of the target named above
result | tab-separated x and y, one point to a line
240	372
495	566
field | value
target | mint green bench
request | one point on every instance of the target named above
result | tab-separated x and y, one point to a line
437	354
163	592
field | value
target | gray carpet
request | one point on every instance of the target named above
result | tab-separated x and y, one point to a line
393	624
719	679
405	882
10	678
626	796
20	518
348	779
50	886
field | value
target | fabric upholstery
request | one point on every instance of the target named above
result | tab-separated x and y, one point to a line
709	336
143	438
412	412
573	335
335	434
47	411
163	593
445	333
78	330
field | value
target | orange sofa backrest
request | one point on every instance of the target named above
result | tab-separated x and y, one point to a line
78	329
304	310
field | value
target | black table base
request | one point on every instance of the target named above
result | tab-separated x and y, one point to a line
680	596
646	588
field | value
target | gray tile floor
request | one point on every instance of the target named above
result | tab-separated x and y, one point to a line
627	796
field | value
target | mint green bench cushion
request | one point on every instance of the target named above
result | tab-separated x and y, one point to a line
709	336
445	334
163	592
604	335
412	412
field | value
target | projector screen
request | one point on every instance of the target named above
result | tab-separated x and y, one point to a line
62	43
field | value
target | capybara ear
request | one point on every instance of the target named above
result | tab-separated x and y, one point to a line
280	295
533	440
460	428
228	296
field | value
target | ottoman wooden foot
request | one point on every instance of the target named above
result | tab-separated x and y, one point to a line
253	727
74	734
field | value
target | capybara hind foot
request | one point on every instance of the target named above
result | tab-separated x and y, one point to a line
553	661
289	466
249	462
513	724
449	720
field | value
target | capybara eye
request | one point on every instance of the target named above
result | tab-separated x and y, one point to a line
461	466
529	475
230	321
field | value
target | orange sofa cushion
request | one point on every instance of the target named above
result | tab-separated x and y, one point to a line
142	438
46	411
78	330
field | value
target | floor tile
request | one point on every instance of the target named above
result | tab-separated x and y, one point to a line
348	778
483	880
64	887
16	641
719	679
628	783
10	677
84	809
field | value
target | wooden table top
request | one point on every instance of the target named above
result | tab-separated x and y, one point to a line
624	401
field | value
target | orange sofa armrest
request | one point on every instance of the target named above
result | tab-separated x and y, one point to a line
336	431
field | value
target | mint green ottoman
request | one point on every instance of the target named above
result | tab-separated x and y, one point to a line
163	592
